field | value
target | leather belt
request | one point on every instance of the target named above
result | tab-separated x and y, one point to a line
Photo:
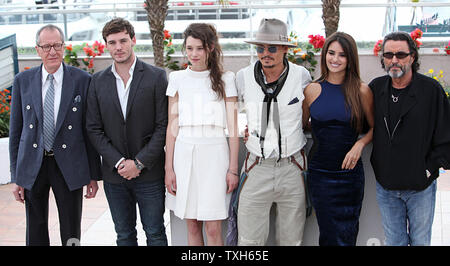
49	153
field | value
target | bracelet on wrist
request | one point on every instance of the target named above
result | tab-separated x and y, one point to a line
229	171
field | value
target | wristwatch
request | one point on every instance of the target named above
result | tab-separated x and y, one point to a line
139	165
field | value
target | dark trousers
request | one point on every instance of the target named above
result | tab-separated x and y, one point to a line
69	205
149	196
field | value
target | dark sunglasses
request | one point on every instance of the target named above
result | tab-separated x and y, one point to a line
271	49
399	55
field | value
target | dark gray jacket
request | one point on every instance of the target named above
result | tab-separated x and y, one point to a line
142	135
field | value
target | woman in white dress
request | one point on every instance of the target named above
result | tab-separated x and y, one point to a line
201	167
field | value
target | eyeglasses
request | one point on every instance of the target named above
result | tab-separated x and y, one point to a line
399	55
48	47
271	49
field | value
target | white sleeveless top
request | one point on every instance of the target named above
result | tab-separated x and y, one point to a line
198	104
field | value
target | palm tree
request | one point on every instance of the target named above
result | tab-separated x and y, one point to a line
330	15
414	12
156	16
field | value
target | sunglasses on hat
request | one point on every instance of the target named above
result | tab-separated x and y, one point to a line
399	55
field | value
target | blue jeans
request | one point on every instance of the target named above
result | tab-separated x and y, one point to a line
407	215
149	196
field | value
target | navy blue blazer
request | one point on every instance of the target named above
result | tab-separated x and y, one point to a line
75	156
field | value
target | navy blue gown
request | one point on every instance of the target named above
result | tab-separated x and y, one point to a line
336	193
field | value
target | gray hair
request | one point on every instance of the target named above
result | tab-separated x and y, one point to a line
49	27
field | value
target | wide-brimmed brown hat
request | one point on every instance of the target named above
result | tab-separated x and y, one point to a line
272	31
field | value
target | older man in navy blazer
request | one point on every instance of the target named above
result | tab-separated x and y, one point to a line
48	141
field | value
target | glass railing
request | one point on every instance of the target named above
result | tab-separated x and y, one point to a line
366	21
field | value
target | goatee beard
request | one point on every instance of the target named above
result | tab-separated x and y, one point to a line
396	74
399	73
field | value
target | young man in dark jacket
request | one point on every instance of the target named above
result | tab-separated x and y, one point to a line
127	122
411	142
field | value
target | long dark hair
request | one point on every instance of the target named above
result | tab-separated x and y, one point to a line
208	35
352	79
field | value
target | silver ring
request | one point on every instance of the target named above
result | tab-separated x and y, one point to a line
121	165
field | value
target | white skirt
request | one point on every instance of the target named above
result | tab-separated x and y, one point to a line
201	160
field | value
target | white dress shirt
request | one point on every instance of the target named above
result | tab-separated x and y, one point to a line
123	90
57	83
240	86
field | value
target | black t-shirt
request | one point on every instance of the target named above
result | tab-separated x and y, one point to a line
395	104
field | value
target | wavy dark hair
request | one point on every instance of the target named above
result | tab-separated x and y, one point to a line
207	34
117	25
352	80
403	36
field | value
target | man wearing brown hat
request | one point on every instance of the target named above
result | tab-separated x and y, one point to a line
271	91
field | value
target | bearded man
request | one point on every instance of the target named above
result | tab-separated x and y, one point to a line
411	141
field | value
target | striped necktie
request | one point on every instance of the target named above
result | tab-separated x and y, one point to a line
49	113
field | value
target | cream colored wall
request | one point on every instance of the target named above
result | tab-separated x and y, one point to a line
369	64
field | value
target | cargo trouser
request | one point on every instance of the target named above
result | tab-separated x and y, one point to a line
268	183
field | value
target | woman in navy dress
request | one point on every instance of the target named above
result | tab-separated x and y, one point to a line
338	103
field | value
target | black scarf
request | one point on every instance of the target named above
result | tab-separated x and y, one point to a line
271	92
